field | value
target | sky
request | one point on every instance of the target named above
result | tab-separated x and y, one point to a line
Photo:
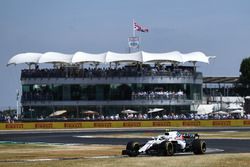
218	28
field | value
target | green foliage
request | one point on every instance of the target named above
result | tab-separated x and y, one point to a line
244	88
9	112
245	72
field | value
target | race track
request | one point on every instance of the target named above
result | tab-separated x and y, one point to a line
70	137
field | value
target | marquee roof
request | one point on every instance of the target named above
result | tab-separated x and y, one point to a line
55	57
124	57
174	56
196	57
29	58
81	57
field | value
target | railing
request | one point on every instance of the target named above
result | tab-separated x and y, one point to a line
105	73
49	96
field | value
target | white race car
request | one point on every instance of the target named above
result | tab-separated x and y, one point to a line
168	144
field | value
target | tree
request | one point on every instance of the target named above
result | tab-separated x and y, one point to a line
244	80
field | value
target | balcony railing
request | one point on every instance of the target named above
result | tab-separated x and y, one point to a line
49	96
108	72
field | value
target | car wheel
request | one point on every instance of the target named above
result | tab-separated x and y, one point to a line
132	148
199	146
168	148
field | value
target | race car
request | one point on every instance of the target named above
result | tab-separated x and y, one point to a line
167	144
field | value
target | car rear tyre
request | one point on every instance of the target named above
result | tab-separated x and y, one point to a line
168	148
199	146
132	148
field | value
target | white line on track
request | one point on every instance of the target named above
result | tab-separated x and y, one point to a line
85	136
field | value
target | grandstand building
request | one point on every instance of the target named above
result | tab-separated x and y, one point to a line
109	82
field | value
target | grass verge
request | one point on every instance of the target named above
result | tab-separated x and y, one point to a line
13	155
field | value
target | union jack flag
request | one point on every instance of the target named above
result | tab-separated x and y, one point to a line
137	27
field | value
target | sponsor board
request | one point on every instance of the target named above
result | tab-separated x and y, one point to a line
125	124
44	125
246	122
191	123
131	124
73	125
133	42
221	123
161	123
102	124
14	125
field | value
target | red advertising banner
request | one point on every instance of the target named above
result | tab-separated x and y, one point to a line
221	123
43	125
191	123
131	124
14	126
102	125
246	122
73	125
161	123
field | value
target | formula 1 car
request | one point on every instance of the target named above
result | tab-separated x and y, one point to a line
168	144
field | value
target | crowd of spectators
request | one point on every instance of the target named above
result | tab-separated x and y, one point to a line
37	95
48	95
125	71
8	118
171	116
139	116
158	95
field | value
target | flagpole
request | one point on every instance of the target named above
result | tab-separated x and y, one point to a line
17	104
133	28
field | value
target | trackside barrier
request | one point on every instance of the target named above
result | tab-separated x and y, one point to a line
124	124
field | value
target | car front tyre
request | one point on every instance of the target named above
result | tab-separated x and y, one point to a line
132	148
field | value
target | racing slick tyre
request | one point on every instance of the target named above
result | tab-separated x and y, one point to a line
132	148
199	146
168	148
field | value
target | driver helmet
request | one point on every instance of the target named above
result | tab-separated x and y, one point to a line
167	131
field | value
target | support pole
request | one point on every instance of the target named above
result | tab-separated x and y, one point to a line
17	103
133	26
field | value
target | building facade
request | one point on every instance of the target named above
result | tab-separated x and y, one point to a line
109	89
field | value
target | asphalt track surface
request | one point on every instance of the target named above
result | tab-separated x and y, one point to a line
69	137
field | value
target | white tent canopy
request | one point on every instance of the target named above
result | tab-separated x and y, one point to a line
241	112
55	57
81	57
220	113
155	110
174	56
233	106
28	58
128	111
124	57
195	57
205	109
57	113
89	112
